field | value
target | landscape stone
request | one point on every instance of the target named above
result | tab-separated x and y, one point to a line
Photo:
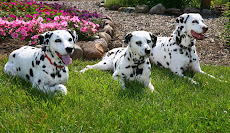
129	9
106	36
77	54
106	22
191	10
157	9
91	50
108	29
206	12
103	42
174	11
142	9
115	7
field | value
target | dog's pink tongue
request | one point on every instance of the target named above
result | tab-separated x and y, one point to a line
66	59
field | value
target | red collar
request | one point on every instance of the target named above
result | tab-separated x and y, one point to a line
51	62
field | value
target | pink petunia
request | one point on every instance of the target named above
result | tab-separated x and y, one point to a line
84	29
35	37
14	35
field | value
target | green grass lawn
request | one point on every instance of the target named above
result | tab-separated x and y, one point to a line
95	103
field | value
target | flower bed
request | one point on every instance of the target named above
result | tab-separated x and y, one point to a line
27	19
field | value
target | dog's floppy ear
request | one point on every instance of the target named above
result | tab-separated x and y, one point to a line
44	38
153	39
182	18
73	34
128	38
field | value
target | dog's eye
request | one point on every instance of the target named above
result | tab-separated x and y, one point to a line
139	43
58	40
149	41
70	39
195	21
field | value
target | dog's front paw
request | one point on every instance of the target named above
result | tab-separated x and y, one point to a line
60	88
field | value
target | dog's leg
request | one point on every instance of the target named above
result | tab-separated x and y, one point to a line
8	68
211	76
55	88
102	65
150	86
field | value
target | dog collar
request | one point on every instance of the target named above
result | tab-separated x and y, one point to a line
51	62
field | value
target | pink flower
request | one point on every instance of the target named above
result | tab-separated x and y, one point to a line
14	35
56	18
84	29
23	32
35	37
75	25
33	42
23	38
64	23
3	33
75	19
48	13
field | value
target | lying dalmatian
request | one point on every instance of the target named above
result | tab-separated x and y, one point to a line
132	62
45	68
178	52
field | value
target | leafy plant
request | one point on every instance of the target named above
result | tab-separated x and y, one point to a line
226	32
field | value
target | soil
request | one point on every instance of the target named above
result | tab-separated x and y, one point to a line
212	50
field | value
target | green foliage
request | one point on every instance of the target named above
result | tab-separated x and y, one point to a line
167	3
226	32
96	103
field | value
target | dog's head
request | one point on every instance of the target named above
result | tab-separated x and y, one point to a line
140	42
193	25
60	42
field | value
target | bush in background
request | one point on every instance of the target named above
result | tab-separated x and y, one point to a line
226	32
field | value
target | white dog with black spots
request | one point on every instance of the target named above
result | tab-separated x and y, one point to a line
132	62
45	68
178	52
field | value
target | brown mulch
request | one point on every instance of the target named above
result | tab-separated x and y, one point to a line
211	50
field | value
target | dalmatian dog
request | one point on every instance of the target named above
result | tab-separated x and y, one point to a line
46	68
132	62
178	52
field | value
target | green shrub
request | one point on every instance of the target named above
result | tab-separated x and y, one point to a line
226	32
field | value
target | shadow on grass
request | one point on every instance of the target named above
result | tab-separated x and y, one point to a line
25	85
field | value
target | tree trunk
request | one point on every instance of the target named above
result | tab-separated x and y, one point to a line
205	4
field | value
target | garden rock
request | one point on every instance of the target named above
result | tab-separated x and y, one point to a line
129	9
121	9
106	22
157	9
115	7
103	43
142	9
206	12
174	11
91	50
77	54
191	10
106	36
108	29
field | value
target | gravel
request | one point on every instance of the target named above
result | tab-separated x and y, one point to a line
211	50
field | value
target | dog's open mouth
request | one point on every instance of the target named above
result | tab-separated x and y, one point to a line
65	58
199	36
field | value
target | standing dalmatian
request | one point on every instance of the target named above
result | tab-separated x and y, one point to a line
178	52
132	62
45	68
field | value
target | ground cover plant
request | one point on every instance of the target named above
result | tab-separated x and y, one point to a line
96	103
27	19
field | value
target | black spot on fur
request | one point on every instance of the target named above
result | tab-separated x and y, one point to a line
104	62
175	49
186	19
131	75
64	70
42	57
45	71
44	66
139	71
19	69
32	63
14	55
159	64
167	63
128	38
127	66
27	76
31	72
39	81
165	56
52	75
37	62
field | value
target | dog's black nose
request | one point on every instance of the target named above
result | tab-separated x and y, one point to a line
205	29
69	50
147	51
